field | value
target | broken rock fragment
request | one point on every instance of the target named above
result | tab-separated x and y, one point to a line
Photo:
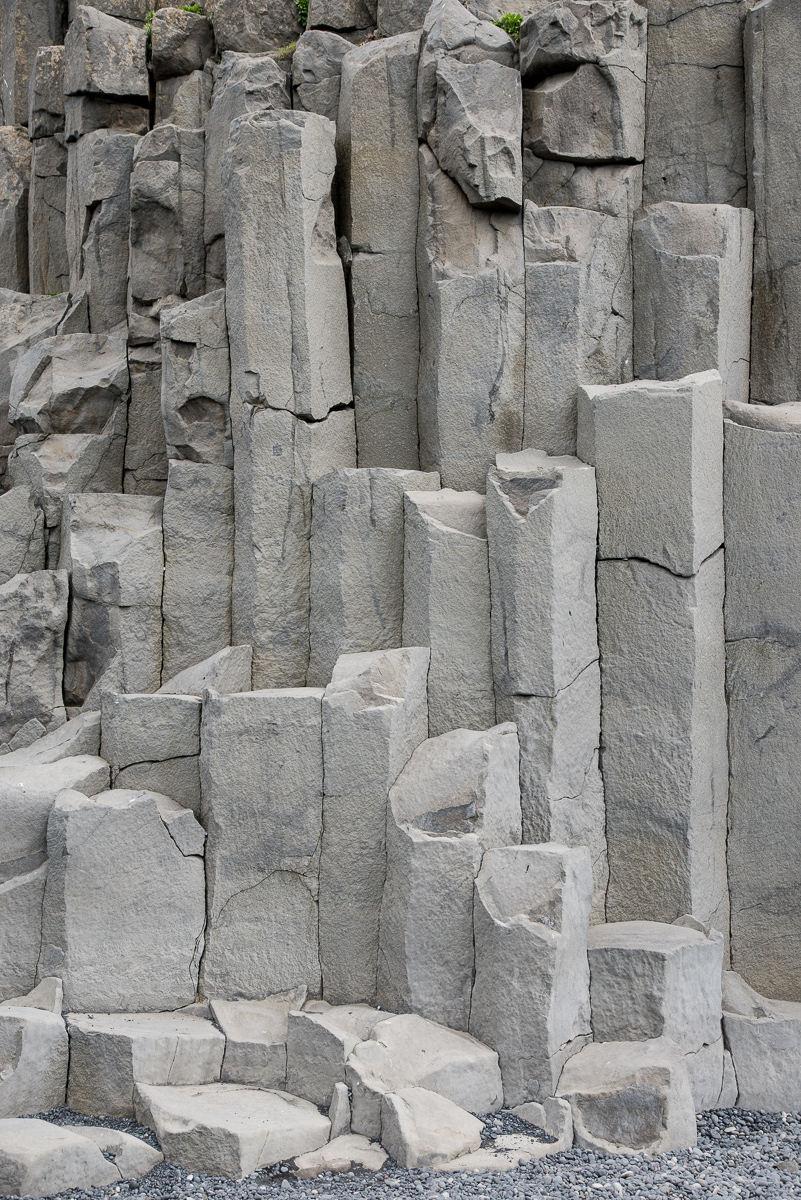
422	1129
33	1061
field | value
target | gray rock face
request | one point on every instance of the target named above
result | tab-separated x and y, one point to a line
48	265
357	540
46	110
356	17
153	742
251	26
69	384
318	1044
764	1039
531	994
47	996
424	1130
132	1157
226	671
772	44
15	177
317	71
379	186
692	283
34	1055
103	929
457	797
33	614
181	42
255	1037
22	547
40	1159
472	330
104	56
695	119
145	448
25	27
195	380
112	546
262	806
184	100
85	114
20	930
79	736
374	717
446	590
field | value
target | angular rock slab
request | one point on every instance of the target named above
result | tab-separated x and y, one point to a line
317	71
15	177
226	671
195	380
180	41
33	1061
48	265
223	1129
250	26
104	56
255	1037
69	384
27	795
22	544
764	1037
132	1156
33	612
424	1130
319	1043
343	1153
630	1097
20	930
40	1159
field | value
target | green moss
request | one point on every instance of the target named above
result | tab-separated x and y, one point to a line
287	51
193	8
510	23
303	11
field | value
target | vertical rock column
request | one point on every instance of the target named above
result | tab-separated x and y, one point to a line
48	265
290	367
657	452
26	25
542	520
15	179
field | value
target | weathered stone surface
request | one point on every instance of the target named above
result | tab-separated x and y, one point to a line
377	166
457	797
692	288
578	313
253	25
226	671
318	1045
228	1130
25	27
531	999
665	508
342	1153
695	119
20	930
98	222
423	1130
69	384
630	1097
15	178
400	16
33	1058
339	1111
181	42
145	448
132	1157
152	732
33	614
85	114
612	189
104	56
409	1051
22	547
663	723
772	56
355	17
764	1037
110	1054
317	71
357	540
471	285
48	265
255	1037
262	778
195	380
590	105
46	103
41	1159
243	83
47	995
374	716
112	546
104	930
184	100
446	590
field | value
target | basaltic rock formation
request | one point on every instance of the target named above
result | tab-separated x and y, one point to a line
400	579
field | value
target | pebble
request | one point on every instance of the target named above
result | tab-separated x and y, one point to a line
739	1155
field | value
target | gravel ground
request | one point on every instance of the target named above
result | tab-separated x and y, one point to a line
739	1154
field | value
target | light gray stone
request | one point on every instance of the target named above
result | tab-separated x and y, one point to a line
20	930
38	1158
25	27
224	672
15	178
104	56
104	929
343	1153
764	1037
612	189
262	779
374	717
142	728
181	42
318	1045
132	1157
255	1037
33	1061
145	447
251	26
195	380
665	508
663	723
356	580
692	288
111	1053
112	547
339	1111
378	176
423	1130
531	993
85	114
47	995
184	100
22	547
48	265
446	592
317	71
400	16
229	1130
69	384
471	288
46	105
630	1097
33	614
579	315
457	797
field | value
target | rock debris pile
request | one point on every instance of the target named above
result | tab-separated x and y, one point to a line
400	561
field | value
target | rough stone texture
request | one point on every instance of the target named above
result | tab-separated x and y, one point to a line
630	1097
692	288
262	780
40	1159
457	797
695	118
255	1037
471	286
103	930
664	741
184	100
446	590
145	447
195	380
224	1129
25	27
110	1054
22	547
423	1130
15	177
112	546
181	42
253	25
48	265
343	1153
400	16
81	735
226	671
357	540
20	930
198	526
764	1037
319	1043
104	56
69	384
46	95
667	508
772	63
33	1061
339	1111
578	311
317	72
378	182
530	998
374	717
153	738
85	114
356	18
33	615
132	1157
47	995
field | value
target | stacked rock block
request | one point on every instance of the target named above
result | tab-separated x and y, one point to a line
398	573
